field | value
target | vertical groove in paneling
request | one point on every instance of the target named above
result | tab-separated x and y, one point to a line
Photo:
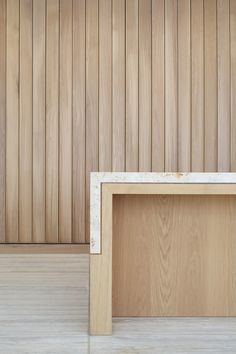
79	121
12	120
132	81
158	85
65	125
26	123
184	107
39	11
105	85
145	86
118	85
52	102
171	104
224	125
210	73
197	64
92	147
233	82
2	117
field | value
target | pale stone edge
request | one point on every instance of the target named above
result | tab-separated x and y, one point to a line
97	178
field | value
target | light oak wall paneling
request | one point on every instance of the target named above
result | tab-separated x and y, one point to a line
132	84
39	91
65	123
210	73
110	85
158	85
12	120
2	118
171	93
197	89
44	249
184	86
92	143
118	85
79	121
25	123
224	126
105	84
52	117
145	85
233	82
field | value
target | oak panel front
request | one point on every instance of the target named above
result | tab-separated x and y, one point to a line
173	255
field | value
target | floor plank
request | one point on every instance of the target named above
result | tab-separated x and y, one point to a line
44	309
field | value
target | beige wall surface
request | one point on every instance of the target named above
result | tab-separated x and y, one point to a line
108	85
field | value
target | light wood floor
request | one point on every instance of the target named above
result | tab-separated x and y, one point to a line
44	309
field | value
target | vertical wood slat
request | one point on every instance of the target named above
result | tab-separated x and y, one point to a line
12	120
91	97
171	114
145	85
184	83
105	103
132	125
79	121
233	82
197	86
39	121
210	72
224	126
2	117
26	124
158	85
52	100
65	125
118	85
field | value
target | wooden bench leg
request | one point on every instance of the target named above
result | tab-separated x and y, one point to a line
101	274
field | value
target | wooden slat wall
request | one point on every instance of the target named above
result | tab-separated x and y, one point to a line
107	85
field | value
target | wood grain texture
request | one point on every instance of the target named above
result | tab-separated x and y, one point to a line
197	99
184	89
2	120
105	85
62	282
182	268
132	126
12	120
65	123
43	249
171	72
52	126
38	296
158	85
25	123
210	75
224	126
171	188
128	85
39	120
79	122
167	335
101	274
92	109
118	85
145	97
233	82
